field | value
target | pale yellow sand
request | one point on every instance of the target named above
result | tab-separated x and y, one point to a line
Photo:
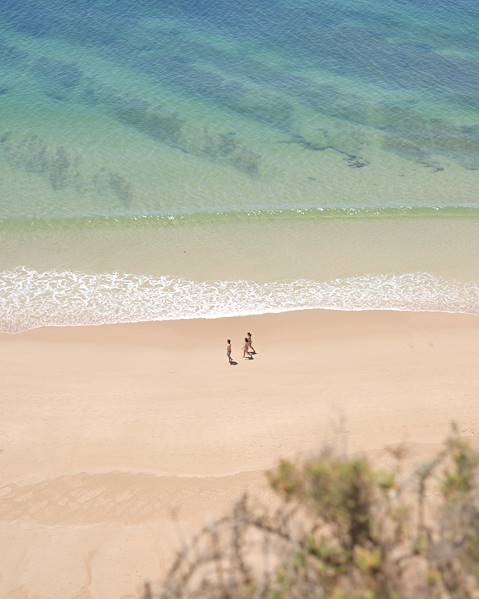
105	430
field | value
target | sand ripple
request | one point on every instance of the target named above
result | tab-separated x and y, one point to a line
116	497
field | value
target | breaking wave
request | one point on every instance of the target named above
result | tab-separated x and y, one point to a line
31	299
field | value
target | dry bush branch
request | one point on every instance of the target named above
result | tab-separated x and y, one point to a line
343	530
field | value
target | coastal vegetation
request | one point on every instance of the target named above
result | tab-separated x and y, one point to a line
343	528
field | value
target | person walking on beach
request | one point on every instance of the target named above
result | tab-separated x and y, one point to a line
250	343
246	350
228	351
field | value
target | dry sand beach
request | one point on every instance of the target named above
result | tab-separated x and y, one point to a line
107	431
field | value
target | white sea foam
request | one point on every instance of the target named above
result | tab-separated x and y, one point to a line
31	299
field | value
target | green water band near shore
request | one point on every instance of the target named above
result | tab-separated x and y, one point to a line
306	214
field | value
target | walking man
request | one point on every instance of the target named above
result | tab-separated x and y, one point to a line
250	342
228	351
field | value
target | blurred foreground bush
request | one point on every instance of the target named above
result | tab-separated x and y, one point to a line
343	530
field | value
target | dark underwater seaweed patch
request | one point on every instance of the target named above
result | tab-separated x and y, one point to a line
34	19
11	56
57	166
263	106
352	160
421	138
408	150
4	137
271	111
162	126
121	187
57	73
61	168
225	147
171	129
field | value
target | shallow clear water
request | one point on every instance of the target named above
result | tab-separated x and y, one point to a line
201	111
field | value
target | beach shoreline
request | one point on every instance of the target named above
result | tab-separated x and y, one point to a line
108	430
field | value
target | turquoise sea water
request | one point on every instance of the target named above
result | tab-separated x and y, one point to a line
242	124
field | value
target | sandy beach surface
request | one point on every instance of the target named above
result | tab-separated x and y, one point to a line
117	440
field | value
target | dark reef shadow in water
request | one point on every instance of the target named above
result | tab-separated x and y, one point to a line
351	160
62	168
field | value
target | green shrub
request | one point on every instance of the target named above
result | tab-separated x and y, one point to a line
343	530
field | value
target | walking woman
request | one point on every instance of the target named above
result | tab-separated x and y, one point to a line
246	350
